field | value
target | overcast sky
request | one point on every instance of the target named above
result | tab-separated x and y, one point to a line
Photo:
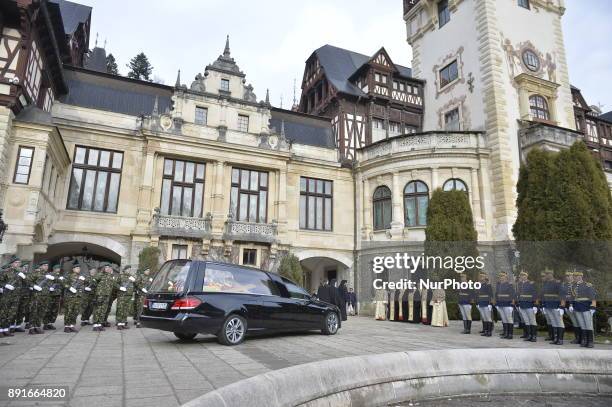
271	39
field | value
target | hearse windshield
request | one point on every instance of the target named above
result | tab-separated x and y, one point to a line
171	278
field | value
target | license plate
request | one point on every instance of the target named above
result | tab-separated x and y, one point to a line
159	305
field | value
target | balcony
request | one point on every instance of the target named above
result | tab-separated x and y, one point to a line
546	136
179	226
423	141
250	231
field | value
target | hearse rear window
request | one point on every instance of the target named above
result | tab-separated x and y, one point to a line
171	277
224	279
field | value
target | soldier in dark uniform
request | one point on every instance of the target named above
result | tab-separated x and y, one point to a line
466	298
104	288
527	298
9	301
505	296
54	299
24	290
584	306
74	285
568	291
113	295
484	298
124	297
88	296
551	302
40	281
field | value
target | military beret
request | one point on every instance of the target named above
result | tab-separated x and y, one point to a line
57	267
42	263
76	263
13	259
126	268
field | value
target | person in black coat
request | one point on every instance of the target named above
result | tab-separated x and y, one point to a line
342	297
416	304
323	291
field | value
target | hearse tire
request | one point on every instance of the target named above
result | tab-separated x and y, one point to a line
331	323
184	337
233	330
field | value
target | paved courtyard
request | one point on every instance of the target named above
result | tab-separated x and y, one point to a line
143	367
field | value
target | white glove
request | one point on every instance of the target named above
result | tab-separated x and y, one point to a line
592	311
123	288
144	290
87	289
49	277
51	289
150	280
9	287
37	287
132	279
81	278
73	290
61	278
561	312
1	290
535	310
571	308
490	307
20	274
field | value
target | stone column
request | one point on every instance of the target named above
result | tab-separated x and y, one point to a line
476	195
281	191
367	210
434	179
219	208
145	204
397	219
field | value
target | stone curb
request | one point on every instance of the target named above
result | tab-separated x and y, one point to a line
377	380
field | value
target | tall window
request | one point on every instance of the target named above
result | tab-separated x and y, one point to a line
225	85
451	120
524	3
592	134
448	74
182	188
249	196
201	115
443	12
23	166
454	184
382	208
243	123
95	180
179	251
539	107
416	200
316	197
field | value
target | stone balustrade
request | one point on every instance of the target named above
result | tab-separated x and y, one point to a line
251	231
179	226
546	136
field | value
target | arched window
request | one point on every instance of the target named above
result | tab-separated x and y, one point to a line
382	208
416	200
539	107
455	184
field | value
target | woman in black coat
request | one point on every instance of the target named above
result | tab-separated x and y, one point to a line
342	298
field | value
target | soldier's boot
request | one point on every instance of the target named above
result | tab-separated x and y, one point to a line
555	336
483	330
467	331
510	332
590	339
464	326
19	329
125	325
32	331
138	325
491	328
106	324
526	332
578	336
46	327
584	339
27	326
560	334
67	329
550	336
505	332
534	333
84	323
8	333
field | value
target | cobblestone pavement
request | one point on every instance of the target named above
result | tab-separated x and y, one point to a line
144	367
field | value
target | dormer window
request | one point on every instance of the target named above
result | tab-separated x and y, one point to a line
225	85
380	78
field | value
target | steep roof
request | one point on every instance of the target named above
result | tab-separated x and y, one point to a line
607	116
73	14
339	65
301	128
114	93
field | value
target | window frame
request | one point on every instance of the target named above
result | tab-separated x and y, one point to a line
195	117
247	251
239	123
443	10
455	181
454	62
534	108
97	168
380	201
531	60
249	192
322	195
33	150
182	184
415	196
222	87
447	114
525	4
179	247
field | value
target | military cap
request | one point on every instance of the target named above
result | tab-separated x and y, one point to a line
76	263
127	267
57	267
42	263
13	259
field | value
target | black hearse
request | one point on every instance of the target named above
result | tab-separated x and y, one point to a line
191	297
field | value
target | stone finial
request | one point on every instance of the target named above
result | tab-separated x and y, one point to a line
226	51
267	96
178	80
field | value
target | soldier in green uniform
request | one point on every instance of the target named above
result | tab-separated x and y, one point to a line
143	281
74	287
10	296
24	290
39	284
104	288
112	297
54	299
124	297
89	295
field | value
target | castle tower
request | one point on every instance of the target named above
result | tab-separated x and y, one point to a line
494	66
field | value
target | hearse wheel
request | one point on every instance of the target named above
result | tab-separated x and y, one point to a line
330	325
184	337
233	330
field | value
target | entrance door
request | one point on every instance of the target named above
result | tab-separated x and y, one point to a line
332	274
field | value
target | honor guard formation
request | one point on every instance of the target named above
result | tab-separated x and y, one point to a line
31	295
521	302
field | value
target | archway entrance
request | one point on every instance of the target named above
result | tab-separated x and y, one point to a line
89	255
318	269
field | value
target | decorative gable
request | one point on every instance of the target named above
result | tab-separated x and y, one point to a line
382	59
